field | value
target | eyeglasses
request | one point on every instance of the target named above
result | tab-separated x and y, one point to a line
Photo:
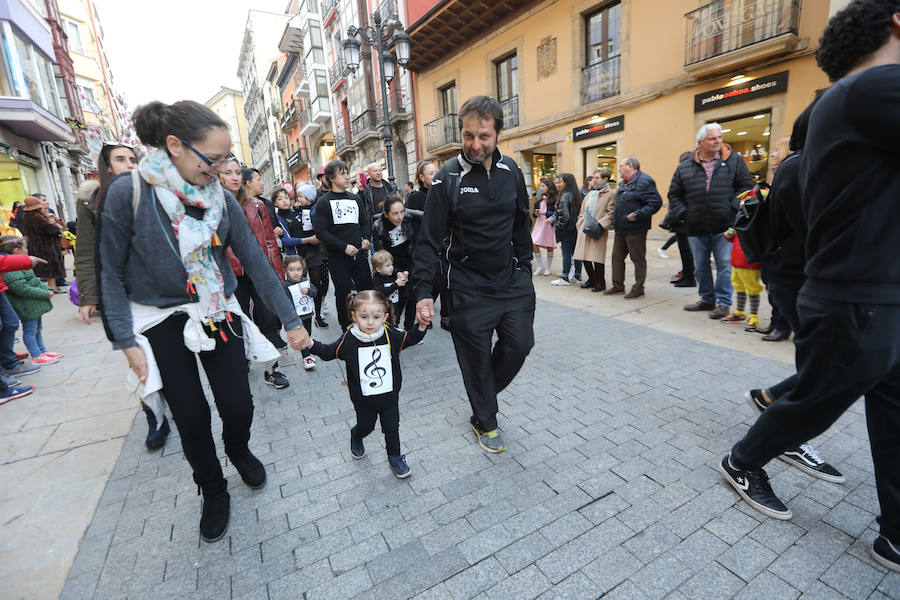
215	164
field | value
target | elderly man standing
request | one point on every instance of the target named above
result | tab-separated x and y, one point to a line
637	200
703	195
376	190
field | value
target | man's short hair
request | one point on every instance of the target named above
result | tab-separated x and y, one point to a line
484	107
635	163
853	33
333	168
705	129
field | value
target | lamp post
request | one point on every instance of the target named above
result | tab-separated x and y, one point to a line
377	36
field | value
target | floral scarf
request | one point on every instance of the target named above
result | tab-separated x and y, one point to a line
195	238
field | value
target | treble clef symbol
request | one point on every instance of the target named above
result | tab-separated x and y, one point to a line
372	370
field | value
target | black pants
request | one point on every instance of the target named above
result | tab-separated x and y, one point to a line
487	371
307	324
596	273
406	307
439	291
389	412
226	369
265	319
687	258
785	298
348	273
844	351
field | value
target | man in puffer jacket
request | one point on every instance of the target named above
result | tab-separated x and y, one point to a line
703	194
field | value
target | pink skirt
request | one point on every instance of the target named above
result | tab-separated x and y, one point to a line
542	234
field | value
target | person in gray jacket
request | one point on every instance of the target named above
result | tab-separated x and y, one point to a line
172	275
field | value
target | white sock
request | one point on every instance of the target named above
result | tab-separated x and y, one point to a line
539	260
572	271
549	261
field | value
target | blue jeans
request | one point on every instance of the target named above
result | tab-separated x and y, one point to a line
9	322
32	336
567	241
720	248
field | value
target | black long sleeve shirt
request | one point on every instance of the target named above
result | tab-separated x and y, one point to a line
341	219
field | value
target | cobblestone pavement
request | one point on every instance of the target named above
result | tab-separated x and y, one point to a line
608	489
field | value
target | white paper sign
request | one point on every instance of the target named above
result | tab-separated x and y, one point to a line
397	235
306	220
376	375
303	304
344	211
395	297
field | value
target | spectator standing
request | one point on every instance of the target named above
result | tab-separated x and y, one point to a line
599	204
376	191
43	233
567	213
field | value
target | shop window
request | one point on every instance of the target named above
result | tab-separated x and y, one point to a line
598	157
542	165
748	135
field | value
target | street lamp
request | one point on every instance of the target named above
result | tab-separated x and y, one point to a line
376	36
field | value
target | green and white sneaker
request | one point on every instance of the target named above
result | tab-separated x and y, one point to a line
490	441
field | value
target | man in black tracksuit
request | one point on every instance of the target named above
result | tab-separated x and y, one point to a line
848	344
478	203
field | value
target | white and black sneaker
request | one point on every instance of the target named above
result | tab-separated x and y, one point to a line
756	400
276	379
754	488
886	554
805	458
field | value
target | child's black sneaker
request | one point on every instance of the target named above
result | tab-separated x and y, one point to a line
886	554
214	517
277	379
357	448
754	488
805	458
399	466
756	400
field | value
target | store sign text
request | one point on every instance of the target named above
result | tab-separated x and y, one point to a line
594	129
755	88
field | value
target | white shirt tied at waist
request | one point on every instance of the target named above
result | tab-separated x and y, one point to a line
257	347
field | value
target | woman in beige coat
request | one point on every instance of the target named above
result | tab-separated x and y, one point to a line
600	202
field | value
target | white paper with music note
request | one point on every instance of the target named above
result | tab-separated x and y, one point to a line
375	373
306	219
397	236
344	211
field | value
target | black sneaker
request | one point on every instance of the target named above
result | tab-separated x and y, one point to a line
215	516
276	378
399	466
805	458
756	401
886	554
754	488
248	466
357	448
320	322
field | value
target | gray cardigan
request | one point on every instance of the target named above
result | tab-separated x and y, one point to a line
139	263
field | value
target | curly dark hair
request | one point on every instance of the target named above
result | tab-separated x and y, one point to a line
854	33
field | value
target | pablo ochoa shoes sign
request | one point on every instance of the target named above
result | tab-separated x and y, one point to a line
748	90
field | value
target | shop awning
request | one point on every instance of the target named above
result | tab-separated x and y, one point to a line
29	120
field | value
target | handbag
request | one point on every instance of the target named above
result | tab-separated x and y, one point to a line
592	227
753	224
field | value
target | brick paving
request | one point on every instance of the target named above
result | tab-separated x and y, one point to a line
608	489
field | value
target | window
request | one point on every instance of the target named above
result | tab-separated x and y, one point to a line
86	91
508	89
30	72
448	99
73	31
603	34
321	84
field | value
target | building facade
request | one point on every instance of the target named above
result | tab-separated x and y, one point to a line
585	83
228	103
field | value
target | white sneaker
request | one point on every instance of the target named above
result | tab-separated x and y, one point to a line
559	281
309	363
662	253
539	271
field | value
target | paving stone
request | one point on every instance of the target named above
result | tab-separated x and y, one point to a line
523	552
476	579
527	583
484	544
661	576
766	585
852	577
651	542
348	558
798	566
575	587
611	568
344	586
712	582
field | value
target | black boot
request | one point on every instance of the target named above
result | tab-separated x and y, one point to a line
250	468
215	515
156	437
599	278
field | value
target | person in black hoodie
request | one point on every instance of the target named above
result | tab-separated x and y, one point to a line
342	223
848	343
478	204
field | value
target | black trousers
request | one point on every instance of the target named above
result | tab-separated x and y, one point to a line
307	324
687	258
487	371
348	273
406	306
785	298
265	319
389	412
226	369
844	351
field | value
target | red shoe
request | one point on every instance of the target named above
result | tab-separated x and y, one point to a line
21	355
54	354
43	359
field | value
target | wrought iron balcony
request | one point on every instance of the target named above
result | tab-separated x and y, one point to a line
341	139
327	6
290	116
442	133
396	106
256	129
337	73
510	108
388	10
297	159
363	127
727	33
600	80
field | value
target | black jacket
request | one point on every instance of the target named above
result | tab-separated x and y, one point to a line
566	214
366	194
340	220
708	212
850	171
416	201
396	240
788	224
487	231
639	196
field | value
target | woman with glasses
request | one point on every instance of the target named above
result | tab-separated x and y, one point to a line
168	291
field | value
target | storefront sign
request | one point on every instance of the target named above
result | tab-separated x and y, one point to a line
755	88
594	129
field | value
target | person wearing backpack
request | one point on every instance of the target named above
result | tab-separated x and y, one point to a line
478	203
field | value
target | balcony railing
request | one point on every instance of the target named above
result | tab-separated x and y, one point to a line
336	72
341	140
388	10
256	129
297	159
728	25
327	6
441	132
290	116
510	108
363	125
600	80
396	105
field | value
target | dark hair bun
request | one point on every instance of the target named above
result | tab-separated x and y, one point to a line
149	123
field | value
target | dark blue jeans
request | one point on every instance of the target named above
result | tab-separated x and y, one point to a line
567	241
702	246
9	323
